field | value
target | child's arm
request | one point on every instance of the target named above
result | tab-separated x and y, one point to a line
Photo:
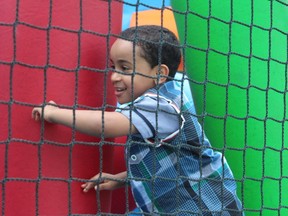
107	183
86	121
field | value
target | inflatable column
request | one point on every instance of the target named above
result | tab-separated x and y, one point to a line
236	59
53	50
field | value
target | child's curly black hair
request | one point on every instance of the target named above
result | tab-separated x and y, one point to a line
159	45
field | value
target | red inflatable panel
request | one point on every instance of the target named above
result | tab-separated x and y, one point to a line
53	52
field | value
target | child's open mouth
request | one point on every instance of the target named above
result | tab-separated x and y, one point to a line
119	91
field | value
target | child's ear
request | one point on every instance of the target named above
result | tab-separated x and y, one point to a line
162	74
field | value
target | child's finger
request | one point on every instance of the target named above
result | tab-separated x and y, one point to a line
85	189
87	186
35	114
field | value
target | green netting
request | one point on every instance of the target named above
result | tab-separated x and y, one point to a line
236	59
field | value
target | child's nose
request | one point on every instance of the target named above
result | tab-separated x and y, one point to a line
115	76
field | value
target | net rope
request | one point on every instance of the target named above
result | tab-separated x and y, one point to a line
241	178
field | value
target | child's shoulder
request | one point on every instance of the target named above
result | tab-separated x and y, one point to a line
171	90
166	89
178	92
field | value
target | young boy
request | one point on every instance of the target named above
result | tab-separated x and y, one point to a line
172	168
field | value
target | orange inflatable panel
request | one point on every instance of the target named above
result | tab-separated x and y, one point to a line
163	18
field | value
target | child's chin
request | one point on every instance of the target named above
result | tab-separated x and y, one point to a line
121	100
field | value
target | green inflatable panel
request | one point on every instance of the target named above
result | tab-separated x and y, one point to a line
235	55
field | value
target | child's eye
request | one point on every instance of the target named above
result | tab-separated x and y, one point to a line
125	68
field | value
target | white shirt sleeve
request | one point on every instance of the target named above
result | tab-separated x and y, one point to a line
152	117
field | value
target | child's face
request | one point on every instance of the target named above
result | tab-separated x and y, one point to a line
129	85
